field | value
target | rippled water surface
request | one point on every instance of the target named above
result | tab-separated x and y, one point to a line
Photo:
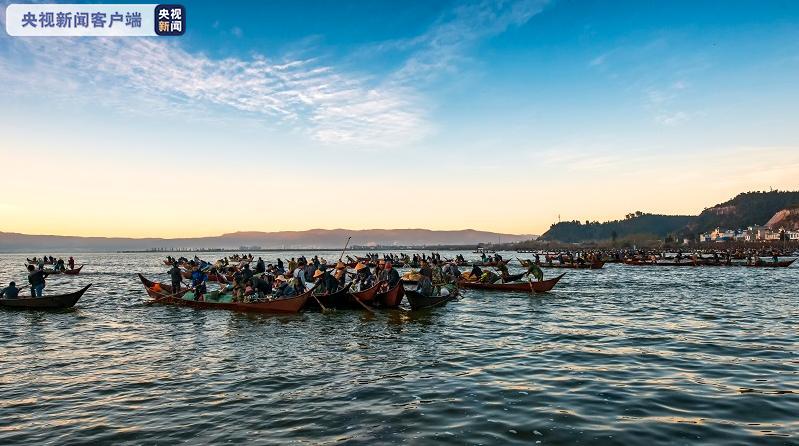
623	355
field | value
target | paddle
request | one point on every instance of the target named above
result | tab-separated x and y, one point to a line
345	248
164	296
324	310
365	307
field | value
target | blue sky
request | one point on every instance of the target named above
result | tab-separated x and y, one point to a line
511	112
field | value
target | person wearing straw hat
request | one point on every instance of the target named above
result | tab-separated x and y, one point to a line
363	277
327	283
282	288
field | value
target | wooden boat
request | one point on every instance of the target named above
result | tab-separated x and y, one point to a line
338	300
420	302
55	302
764	264
575	265
368	295
524	287
492	263
760	264
69	272
391	298
596	264
281	305
74	271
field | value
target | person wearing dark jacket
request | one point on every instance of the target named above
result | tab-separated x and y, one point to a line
390	275
177	277
327	283
36	280
10	292
260	267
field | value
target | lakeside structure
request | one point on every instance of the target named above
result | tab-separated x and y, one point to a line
750	234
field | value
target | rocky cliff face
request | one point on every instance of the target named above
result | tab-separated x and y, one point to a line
785	219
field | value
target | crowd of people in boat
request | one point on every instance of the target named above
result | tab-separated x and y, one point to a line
281	279
247	278
58	264
37	276
716	256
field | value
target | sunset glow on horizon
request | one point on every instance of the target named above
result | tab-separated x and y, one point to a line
485	115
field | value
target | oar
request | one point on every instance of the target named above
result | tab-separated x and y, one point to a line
324	310
365	307
164	297
345	248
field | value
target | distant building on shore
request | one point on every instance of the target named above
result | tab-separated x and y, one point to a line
750	234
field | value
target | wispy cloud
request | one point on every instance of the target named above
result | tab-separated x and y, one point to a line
331	104
445	46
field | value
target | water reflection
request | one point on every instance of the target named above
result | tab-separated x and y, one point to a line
614	356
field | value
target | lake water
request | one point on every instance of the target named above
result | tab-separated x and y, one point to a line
623	355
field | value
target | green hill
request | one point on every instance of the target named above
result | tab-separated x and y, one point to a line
746	209
638	223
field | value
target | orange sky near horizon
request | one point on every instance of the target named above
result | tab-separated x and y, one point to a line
119	198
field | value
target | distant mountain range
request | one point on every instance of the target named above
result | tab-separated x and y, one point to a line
311	239
777	209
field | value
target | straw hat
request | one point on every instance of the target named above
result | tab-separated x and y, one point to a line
359	266
318	273
281	277
341	265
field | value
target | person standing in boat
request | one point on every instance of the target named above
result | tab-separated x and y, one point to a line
260	266
10	292
176	276
71	262
299	273
198	282
246	273
280	266
36	279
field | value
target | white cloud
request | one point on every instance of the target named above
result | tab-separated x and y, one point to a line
332	105
671	119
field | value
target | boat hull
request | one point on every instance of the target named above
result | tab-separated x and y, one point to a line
56	302
286	305
524	287
391	298
420	302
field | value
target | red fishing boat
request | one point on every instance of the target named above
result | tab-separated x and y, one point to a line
280	305
391	298
368	295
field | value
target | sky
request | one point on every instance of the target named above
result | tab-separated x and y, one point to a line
493	115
